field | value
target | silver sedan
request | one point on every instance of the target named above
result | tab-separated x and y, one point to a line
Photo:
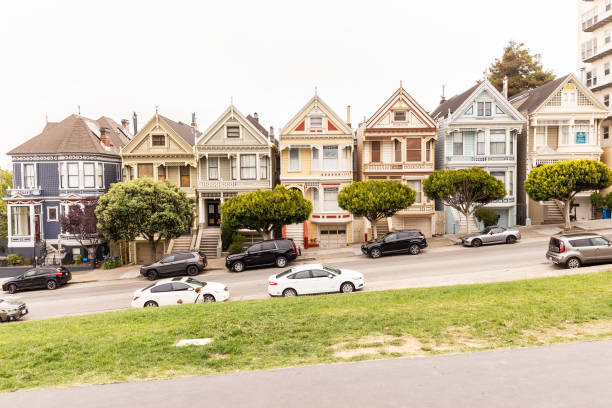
491	235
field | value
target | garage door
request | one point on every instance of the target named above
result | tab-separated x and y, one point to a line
296	232
332	236
422	224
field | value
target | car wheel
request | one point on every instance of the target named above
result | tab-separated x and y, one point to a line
476	243
347	287
208	298
289	293
281	261
414	249
375	253
511	239
68	275
192	270
51	284
152	275
238	267
12	288
150	303
573	263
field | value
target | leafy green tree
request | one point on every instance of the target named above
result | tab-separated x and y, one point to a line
487	216
143	207
523	69
6	182
266	210
561	182
375	199
81	222
465	190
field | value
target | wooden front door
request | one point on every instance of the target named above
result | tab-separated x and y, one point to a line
213	215
37	227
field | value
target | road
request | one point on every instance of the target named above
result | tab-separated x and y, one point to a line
434	267
559	376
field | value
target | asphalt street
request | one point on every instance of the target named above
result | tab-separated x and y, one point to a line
559	376
434	267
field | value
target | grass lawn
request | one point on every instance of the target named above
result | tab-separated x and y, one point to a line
262	334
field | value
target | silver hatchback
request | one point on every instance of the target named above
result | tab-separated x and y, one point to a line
574	250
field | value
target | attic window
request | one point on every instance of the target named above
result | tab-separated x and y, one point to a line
233	131
316	122
158	140
399	116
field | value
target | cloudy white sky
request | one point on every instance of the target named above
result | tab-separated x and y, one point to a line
116	57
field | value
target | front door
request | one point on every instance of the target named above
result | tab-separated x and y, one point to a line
213	215
37	227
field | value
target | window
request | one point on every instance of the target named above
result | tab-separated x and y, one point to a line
232	131
498	142
168	259
62	175
416	186
29	180
315	159
100	176
52	214
89	175
164	287
294	159
263	167
391	237
179	286
248	167
185	179
20	220
484	108
591	78
375	152
582	133
607	68
145	170
458	144
399	116
510	184
316	122
300	275
348	159
213	168
317	273
607	100
540	138
500	175
255	248
607	37
599	241
577	243
233	174
330	199
315	199
158	140
73	175
428	149
606	132
161	173
268	246
413	149
131	172
330	157
398	150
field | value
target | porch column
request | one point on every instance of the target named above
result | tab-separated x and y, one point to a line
238	167
508	136
257	175
32	224
200	209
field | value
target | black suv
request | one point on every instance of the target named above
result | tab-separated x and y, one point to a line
411	241
38	278
271	252
177	263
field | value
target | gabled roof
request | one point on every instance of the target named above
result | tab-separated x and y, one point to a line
75	134
401	92
453	103
530	100
232	112
255	122
316	98
187	132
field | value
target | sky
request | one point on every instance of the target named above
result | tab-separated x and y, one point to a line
114	58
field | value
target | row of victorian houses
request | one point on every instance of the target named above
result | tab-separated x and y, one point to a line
317	153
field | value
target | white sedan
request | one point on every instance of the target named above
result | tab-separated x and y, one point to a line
314	278
177	291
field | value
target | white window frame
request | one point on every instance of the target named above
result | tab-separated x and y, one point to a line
77	175
25	176
233	168
210	168
56	213
480	142
455	135
100	175
498	133
327	207
92	175
310	125
330	148
290	166
233	126
484	109
12	226
315	159
263	167
405	115
315	199
348	158
242	176
418	189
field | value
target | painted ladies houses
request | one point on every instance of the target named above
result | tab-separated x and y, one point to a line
317	159
69	160
398	143
479	128
162	150
564	119
236	154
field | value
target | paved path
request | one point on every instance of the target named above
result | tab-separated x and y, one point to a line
567	375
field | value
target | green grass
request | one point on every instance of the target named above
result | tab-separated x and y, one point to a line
249	335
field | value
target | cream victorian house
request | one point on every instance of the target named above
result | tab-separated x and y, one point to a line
317	159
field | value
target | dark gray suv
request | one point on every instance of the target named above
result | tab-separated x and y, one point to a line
176	263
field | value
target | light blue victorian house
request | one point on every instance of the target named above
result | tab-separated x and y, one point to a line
479	128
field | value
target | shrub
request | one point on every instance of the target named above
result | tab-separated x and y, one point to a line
15	259
598	201
487	216
237	243
27	261
78	259
227	235
110	263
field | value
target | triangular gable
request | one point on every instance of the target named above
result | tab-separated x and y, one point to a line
417	116
582	92
316	106
232	114
486	90
155	124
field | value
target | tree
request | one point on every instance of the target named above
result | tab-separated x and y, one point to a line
561	182
82	222
266	210
6	182
465	190
376	199
143	207
524	70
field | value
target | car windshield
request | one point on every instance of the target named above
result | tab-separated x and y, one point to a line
195	282
486	230
379	239
280	275
333	270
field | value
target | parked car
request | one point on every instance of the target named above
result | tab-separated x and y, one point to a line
574	250
491	235
12	309
177	263
314	278
178	291
270	252
405	241
38	278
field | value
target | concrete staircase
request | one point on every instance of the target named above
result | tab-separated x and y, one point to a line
182	243
552	213
382	227
209	242
53	256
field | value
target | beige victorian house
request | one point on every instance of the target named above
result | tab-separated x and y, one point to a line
163	150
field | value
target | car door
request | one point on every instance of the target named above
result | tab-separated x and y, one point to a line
486	235
602	249
301	282
254	257
183	293
587	251
28	280
167	265
39	280
390	243
268	252
498	235
404	239
322	281
163	294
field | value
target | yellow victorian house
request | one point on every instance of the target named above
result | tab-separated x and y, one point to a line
163	150
317	159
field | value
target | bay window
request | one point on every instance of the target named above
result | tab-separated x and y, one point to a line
145	170
89	175
330	158
398	150
100	175
62	173
330	199
233	172
540	138
248	167
457	144
315	199
348	159
20	220
498	142
263	167
73	175
413	149
213	168
416	186
501	176
375	154
185	176
161	173
315	159
581	133
294	159
480	143
428	149
29	180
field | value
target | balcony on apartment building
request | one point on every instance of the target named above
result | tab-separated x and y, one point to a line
233	184
481	159
24	192
397	167
418	208
596	48
597	17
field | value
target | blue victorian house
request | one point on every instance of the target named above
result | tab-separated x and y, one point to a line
72	159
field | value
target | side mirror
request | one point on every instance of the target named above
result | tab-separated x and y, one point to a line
330	276
191	289
491	232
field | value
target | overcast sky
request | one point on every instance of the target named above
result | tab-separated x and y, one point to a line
116	57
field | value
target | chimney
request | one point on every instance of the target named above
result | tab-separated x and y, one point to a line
135	122
505	89
348	115
272	133
105	136
256	117
125	125
193	121
442	98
